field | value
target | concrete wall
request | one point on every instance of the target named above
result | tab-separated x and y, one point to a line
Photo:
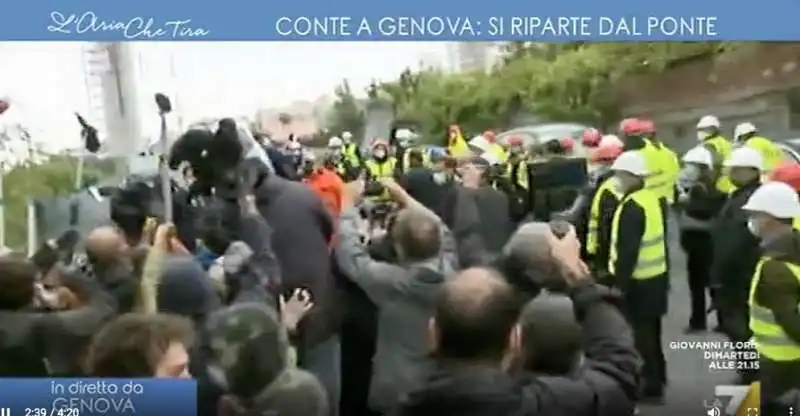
752	85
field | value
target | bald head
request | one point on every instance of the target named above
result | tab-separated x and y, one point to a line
416	233
104	242
530	242
474	316
527	259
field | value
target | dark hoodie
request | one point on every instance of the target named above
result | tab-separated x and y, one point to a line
779	291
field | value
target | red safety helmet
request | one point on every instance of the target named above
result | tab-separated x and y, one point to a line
606	153
788	173
516	141
489	135
591	137
380	142
647	126
567	143
630	126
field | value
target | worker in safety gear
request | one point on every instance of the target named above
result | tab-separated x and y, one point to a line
699	202
407	141
736	250
456	143
294	150
338	162
632	133
380	164
327	184
599	202
668	164
709	135
494	148
513	178
774	296
591	138
746	134
351	150
638	262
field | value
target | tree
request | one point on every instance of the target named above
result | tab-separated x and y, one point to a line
569	82
347	113
285	119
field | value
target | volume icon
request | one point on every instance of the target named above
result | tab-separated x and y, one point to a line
5	411
714	411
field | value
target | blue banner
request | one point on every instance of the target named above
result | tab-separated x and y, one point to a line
419	20
98	397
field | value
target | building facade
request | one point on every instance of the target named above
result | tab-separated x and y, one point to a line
474	56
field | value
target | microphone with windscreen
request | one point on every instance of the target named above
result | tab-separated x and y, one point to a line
163	103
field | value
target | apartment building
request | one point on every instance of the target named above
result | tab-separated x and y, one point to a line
473	56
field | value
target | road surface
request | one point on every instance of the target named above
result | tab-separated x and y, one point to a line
690	380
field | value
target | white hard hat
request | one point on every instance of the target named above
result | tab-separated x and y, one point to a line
699	155
347	135
632	162
745	157
309	156
404	134
480	143
742	129
610	140
708	122
335	142
775	198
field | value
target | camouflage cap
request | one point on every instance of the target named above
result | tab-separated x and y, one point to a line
249	347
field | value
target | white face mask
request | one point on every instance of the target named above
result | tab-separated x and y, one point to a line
702	135
752	226
380	154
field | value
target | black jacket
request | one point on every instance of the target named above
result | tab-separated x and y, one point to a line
605	386
419	183
302	229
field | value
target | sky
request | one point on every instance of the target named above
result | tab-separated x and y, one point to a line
46	80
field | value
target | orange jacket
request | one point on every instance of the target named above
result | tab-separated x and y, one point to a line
330	187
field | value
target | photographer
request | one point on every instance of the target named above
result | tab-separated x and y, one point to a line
405	292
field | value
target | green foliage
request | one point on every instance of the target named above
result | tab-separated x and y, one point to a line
347	113
573	82
56	176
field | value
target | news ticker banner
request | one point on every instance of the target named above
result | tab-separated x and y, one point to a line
406	20
98	397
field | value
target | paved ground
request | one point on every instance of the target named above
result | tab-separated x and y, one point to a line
690	380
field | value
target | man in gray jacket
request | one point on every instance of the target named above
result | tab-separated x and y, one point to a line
405	293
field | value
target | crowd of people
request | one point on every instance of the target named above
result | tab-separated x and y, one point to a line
415	280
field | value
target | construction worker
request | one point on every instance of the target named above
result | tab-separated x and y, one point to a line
604	198
406	141
699	202
788	173
338	162
456	143
709	135
668	164
515	177
746	134
381	164
774	296
736	251
638	264
350	150
493	147
632	131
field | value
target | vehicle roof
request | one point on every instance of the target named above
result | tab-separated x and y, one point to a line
545	129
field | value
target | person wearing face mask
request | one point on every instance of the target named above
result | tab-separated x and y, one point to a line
774	296
638	263
736	249
709	135
699	201
747	135
342	165
381	164
633	132
605	196
350	150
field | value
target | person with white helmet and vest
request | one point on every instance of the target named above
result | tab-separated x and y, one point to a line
668	163
350	150
639	265
736	250
710	136
604	197
746	134
774	295
338	162
699	202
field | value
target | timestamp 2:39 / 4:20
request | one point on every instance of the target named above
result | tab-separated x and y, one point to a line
55	411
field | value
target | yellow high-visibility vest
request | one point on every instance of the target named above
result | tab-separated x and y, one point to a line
723	149
770	339
350	152
381	170
652	259
655	180
522	173
593	236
